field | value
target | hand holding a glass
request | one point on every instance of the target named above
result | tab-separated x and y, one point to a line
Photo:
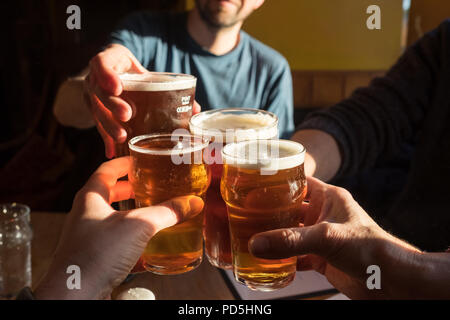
105	243
115	100
341	241
103	88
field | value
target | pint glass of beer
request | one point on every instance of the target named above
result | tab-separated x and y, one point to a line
263	185
221	127
166	166
160	102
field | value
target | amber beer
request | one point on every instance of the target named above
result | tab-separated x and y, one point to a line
163	167
160	102
221	127
263	185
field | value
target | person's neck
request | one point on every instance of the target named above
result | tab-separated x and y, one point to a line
218	41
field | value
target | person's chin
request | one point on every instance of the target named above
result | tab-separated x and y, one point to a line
227	5
224	20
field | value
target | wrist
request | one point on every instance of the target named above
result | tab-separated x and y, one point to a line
67	280
399	265
323	158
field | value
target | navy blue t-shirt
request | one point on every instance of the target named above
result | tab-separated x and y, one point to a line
250	76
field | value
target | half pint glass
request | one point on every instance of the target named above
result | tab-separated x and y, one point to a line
221	127
263	185
166	166
160	102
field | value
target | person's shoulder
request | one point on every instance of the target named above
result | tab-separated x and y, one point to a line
265	54
443	30
433	41
445	24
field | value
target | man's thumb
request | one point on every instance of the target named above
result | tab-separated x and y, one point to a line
136	66
285	243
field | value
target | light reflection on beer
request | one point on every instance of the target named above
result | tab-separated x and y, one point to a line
221	127
155	179
258	203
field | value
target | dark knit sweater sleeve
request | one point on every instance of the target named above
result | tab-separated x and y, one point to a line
376	120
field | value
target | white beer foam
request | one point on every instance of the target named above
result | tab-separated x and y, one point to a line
157	81
184	145
234	125
269	155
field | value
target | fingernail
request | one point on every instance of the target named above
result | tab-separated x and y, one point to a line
196	206
126	115
187	207
121	136
259	244
109	153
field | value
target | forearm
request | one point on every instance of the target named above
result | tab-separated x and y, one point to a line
323	158
435	280
429	276
70	107
408	273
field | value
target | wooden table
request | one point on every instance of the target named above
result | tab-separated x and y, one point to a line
203	283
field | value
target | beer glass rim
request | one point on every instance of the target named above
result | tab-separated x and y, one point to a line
168	136
197	127
11	212
233	159
167	81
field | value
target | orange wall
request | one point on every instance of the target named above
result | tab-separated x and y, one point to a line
329	34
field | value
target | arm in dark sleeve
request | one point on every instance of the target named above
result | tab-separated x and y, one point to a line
376	120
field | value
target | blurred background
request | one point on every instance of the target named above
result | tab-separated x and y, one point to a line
329	48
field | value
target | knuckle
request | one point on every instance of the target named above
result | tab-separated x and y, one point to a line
95	60
343	194
326	232
291	238
81	196
330	240
337	194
